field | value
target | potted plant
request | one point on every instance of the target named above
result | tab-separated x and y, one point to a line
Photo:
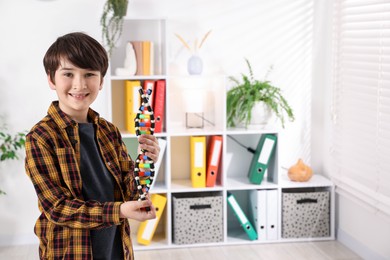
9	144
112	22
245	95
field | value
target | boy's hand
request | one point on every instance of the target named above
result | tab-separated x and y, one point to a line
150	144
135	210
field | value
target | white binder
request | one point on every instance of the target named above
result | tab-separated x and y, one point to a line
163	144
272	215
258	200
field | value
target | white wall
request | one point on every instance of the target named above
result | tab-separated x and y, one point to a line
277	33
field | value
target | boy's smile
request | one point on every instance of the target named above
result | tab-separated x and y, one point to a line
76	89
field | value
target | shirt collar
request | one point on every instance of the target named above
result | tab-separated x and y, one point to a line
63	120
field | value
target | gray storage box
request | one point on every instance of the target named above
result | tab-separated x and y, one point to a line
305	214
197	218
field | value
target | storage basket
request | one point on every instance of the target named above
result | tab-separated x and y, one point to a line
197	218
305	214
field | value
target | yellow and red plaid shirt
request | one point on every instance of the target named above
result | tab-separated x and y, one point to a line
53	165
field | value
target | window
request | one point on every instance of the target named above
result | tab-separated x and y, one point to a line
360	154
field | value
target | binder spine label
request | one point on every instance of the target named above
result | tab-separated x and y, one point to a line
214	158
149	229
199	154
266	151
238	210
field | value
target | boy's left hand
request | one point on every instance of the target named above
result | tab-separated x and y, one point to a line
150	144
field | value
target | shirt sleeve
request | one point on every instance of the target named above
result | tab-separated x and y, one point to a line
127	168
59	190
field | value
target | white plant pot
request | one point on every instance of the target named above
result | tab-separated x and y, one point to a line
261	115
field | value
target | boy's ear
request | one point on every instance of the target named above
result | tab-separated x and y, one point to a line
51	83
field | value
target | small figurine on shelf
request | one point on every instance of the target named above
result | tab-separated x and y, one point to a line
300	172
129	64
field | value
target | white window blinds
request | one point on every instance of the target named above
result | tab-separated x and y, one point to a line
360	153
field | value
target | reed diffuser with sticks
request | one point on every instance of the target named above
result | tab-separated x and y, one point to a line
195	63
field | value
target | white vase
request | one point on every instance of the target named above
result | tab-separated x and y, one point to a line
261	116
195	65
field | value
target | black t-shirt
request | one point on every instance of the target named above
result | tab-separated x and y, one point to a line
98	184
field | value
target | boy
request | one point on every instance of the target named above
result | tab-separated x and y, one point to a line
78	163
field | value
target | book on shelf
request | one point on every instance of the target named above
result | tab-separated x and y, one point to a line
144	53
138	56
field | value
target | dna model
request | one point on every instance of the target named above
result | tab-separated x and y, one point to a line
144	165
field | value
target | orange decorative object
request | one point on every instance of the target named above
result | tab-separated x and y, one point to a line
300	172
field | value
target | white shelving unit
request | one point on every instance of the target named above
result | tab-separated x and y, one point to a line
174	175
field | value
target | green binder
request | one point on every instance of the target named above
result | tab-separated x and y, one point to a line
245	224
265	150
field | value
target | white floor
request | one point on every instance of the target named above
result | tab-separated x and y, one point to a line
282	251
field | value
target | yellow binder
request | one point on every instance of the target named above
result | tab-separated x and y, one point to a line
132	103
198	161
147	228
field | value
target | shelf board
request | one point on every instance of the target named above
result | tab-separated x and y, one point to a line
241	131
242	183
158	241
238	236
186	186
155	77
315	181
159	188
183	131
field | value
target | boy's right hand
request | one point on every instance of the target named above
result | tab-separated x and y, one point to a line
135	210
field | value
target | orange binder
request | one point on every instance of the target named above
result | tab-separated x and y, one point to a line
214	152
139	57
159	105
132	103
198	161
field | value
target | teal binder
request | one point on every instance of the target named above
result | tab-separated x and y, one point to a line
245	224
265	150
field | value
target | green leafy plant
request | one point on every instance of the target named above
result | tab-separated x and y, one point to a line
9	145
112	22
244	95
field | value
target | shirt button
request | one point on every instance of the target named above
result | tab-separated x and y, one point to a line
109	164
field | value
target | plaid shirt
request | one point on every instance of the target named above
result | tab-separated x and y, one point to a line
53	164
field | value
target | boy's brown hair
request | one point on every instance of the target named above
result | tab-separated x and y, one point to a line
80	49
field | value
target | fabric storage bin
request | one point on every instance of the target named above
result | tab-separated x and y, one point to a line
197	218
305	214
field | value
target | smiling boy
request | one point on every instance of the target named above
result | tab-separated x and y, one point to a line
78	163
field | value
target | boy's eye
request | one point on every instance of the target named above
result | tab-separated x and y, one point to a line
90	75
68	74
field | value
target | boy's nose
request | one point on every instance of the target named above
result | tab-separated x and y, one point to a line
79	82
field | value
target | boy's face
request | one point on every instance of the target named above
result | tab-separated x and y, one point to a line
76	89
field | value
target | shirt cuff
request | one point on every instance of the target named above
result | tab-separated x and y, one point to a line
111	213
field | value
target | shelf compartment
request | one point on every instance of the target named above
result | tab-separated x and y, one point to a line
238	159
160	237
142	30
